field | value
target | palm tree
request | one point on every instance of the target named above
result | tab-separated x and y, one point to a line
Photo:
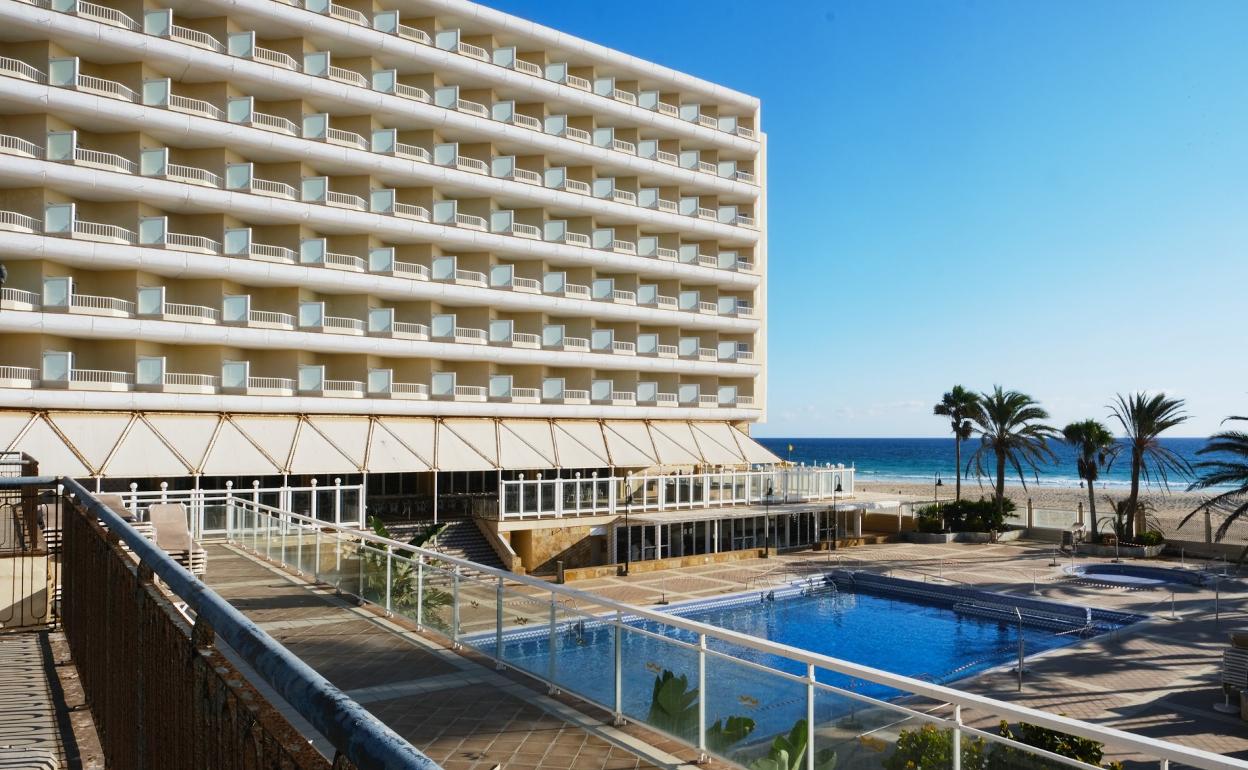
1233	470
960	406
1143	419
1096	448
1010	433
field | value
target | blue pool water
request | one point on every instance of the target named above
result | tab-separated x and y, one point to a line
903	636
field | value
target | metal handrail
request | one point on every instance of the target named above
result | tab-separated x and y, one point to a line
366	741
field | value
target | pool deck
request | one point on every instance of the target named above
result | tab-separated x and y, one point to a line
1157	678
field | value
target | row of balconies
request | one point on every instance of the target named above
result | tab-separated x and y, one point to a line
62	220
162	23
59	295
65	73
65	147
58	371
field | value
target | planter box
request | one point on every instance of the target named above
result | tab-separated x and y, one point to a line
961	537
1129	551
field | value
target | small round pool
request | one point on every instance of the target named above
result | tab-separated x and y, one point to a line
1137	574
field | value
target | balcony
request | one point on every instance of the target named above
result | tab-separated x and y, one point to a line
204	384
15	145
522	340
16	68
94	379
195	107
622	297
196	38
570	398
109	16
16	222
403	330
339	325
89	304
523	285
101	87
267	386
336	261
708	354
18	299
269	319
18	377
576	291
191	175
622	247
106	161
666	351
471	393
465	336
411	391
273	189
345	201
472	108
178	311
471	222
194	243
340	389
264	253
570	344
624	348
276	58
412	152
520	396
467	278
408	211
521	231
708	401
708	308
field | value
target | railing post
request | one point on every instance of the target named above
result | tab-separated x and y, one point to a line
316	563
164	492
551	647
229	511
619	667
314	500
957	738
337	500
702	694
498	625
420	591
810	718
389	577
558	495
455	606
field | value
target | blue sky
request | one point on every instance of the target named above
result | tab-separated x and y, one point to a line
1049	196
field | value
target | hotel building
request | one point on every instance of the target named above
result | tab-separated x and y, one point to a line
419	251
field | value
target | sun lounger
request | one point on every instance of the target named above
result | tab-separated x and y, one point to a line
172	535
1234	678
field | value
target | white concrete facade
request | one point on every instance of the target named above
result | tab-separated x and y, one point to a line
381	207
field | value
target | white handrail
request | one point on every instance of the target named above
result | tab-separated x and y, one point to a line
470	220
343	386
348	14
108	160
19	68
344	75
667	157
280	189
474	51
473	391
623	395
110	16
191	174
472	108
411	268
351	138
346	200
411	212
527	67
413	33
9	294
93	302
523	338
526	121
526	393
405	327
110	88
526	283
196	38
621	295
574	185
576	290
570	394
624	196
619	145
412	151
576	343
101	377
345	260
196	380
271	383
18	373
274	123
472	164
670	255
193	242
623	96
470	276
576	134
626	348
276	58
15	145
624	247
411	92
272	252
577	81
338	322
414	388
524	175
271	317
97	230
14	219
195	107
576	239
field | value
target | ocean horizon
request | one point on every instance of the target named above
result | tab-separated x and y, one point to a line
917	460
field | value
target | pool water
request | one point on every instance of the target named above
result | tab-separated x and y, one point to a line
901	635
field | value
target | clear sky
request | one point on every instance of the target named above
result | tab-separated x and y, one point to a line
1052	196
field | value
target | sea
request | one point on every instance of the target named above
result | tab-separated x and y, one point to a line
918	460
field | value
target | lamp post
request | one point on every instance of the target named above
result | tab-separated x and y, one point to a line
767	520
628	531
836	515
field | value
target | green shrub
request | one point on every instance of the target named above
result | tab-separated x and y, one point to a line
930	747
674	709
964	516
1004	757
1152	537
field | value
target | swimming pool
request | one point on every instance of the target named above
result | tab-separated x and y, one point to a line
935	633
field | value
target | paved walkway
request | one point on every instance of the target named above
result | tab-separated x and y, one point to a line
461	713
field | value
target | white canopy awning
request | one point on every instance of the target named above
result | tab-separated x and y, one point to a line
158	444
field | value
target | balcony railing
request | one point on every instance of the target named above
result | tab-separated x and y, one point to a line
472	108
196	312
347	138
670	158
191	175
104	160
624	196
413	33
415	389
623	247
345	200
102	87
192	242
666	351
576	134
526	121
410	329
412	269
470	391
708	401
110	16
344	75
619	145
473	277
576	291
623	96
411	92
343	324
274	189
101	232
624	348
274	123
526	176
528	68
526	284
576	343
473	51
346	261
100	377
272	253
13	220
348	14
575	186
412	151
578	82
352	387
708	307
669	255
196	38
19	373
624	296
271	383
471	221
15	145
464	334
19	296
411	212
276	58
526	340
93	302
192	380
271	318
195	107
20	69
575	395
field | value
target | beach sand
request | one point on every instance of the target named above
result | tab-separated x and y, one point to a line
1169	508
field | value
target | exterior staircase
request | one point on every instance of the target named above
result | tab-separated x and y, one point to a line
462	539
